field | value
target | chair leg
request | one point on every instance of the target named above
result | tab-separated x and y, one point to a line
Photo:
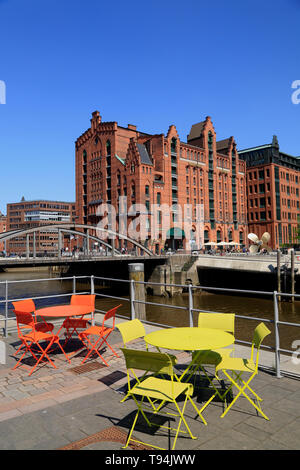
44	353
132	427
182	418
92	350
242	392
95	348
62	350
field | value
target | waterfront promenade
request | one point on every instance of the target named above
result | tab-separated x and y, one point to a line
78	407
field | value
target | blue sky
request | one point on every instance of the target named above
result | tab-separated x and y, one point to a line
151	64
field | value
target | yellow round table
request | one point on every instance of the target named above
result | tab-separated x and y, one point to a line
189	339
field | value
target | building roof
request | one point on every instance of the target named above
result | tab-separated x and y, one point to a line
223	144
255	148
196	130
145	158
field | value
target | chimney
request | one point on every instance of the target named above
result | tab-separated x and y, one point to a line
132	127
96	119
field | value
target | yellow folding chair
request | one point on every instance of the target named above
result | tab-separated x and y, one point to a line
237	366
204	358
131	330
156	391
134	329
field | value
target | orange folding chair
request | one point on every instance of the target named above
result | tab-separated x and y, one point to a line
73	324
100	332
28	305
31	337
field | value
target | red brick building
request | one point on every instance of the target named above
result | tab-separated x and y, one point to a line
30	214
2	229
163	171
273	185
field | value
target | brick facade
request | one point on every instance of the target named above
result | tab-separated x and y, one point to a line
30	214
114	161
2	229
273	185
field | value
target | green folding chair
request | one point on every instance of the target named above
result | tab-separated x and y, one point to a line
206	358
238	366
134	329
152	393
131	330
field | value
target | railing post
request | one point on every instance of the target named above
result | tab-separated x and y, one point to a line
6	309
27	246
191	306
34	244
132	298
74	284
93	292
59	244
87	243
277	344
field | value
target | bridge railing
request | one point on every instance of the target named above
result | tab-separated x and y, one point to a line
133	301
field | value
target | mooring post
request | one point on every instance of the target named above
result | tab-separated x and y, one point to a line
136	274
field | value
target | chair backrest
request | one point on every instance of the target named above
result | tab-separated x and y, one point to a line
26	305
83	299
148	361
25	320
260	332
131	330
111	314
220	321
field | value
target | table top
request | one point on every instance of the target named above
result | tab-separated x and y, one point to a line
189	339
59	311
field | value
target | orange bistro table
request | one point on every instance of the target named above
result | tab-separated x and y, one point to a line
63	311
189	339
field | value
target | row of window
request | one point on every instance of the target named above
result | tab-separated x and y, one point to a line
261	188
289	190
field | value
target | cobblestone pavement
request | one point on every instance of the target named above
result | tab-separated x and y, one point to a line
76	407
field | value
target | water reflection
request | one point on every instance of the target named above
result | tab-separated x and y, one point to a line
259	307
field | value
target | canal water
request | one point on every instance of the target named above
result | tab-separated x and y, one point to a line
256	308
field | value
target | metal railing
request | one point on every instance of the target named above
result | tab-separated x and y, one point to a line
133	301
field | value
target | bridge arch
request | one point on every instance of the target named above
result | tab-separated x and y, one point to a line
74	228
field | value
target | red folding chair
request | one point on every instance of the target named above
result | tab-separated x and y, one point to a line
73	324
100	332
28	305
31	337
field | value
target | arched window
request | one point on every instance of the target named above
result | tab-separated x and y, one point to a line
133	191
118	178
173	145
108	148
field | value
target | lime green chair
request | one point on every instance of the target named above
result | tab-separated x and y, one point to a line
238	366
204	358
134	329
153	392
131	330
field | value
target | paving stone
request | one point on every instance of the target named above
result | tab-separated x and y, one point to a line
60	407
289	435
